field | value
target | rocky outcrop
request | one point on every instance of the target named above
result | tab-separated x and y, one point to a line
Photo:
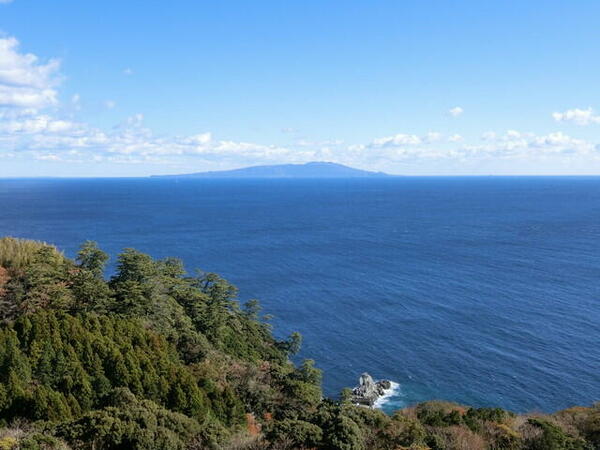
368	391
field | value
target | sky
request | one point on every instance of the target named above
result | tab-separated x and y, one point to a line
413	87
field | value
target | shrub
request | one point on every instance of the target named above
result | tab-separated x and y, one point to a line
403	431
553	437
342	433
130	424
297	432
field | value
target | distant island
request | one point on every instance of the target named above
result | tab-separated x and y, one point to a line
308	170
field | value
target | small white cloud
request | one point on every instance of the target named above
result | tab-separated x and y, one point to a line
396	140
577	116
48	157
5	1
76	102
110	104
128	71
37	124
199	139
323	143
520	144
489	136
135	121
432	136
456	111
455	138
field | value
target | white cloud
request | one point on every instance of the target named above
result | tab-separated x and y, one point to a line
37	124
323	143
396	140
5	1
199	139
520	144
456	111
134	121
110	104
76	102
128	71
43	137
498	146
48	157
24	81
577	116
561	143
432	136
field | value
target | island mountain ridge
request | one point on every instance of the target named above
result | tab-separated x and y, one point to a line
307	170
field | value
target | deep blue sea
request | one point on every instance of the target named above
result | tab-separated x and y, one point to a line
479	290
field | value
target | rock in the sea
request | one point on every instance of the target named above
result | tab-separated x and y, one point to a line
386	384
368	391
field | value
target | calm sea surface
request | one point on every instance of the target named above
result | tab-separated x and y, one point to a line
478	290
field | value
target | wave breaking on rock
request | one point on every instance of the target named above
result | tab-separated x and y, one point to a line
371	393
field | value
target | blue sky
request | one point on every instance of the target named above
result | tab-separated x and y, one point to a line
135	88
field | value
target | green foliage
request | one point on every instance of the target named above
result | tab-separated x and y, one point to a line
298	433
92	259
47	282
130	424
342	433
167	343
438	414
293	344
57	366
476	417
39	441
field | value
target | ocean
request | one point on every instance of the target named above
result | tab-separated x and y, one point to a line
479	290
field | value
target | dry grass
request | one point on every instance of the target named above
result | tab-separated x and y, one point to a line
4	279
11	437
572	420
17	253
460	438
240	441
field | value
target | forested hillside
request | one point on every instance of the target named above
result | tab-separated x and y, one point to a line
156	358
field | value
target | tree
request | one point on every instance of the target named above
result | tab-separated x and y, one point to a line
46	281
133	265
90	290
294	343
252	309
91	258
